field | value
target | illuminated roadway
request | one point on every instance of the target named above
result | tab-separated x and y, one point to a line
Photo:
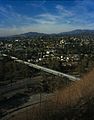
60	74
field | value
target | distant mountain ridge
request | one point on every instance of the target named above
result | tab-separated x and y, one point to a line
78	31
74	32
34	34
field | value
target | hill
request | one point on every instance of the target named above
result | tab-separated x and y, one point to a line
30	34
36	34
78	32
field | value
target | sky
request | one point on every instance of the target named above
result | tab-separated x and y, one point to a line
46	16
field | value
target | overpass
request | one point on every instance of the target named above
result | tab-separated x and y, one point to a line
57	73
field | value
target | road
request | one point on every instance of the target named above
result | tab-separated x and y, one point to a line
34	100
60	74
16	87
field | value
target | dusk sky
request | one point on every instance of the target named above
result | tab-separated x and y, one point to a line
47	16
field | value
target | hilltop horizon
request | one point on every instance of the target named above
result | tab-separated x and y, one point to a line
75	31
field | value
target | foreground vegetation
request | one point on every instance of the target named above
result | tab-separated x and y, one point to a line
75	102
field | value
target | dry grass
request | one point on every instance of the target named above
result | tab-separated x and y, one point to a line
66	104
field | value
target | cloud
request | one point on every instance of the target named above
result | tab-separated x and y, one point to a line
80	14
47	18
13	18
64	12
36	3
84	12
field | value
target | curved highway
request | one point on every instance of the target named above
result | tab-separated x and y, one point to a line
60	74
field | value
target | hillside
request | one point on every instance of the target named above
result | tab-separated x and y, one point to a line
73	103
77	32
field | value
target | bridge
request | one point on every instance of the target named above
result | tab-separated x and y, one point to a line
56	73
